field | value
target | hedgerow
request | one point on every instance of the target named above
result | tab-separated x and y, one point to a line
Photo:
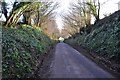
104	38
22	49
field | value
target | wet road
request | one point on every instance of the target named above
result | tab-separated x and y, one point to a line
69	63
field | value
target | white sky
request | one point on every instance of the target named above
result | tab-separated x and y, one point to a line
109	7
63	9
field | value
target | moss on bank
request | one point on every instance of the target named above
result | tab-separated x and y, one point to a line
22	49
103	39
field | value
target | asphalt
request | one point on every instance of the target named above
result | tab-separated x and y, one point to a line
69	63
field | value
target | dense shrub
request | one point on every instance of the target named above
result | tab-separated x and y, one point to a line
21	49
104	42
104	39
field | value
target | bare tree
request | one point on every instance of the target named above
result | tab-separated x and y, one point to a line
94	7
46	12
29	10
79	16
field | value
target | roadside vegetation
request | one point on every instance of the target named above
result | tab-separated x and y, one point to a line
101	39
24	43
23	50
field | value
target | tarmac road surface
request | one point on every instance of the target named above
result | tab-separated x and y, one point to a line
69	63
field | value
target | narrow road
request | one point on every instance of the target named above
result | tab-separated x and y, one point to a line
69	63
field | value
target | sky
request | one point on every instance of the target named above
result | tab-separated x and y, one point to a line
63	9
106	8
109	7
